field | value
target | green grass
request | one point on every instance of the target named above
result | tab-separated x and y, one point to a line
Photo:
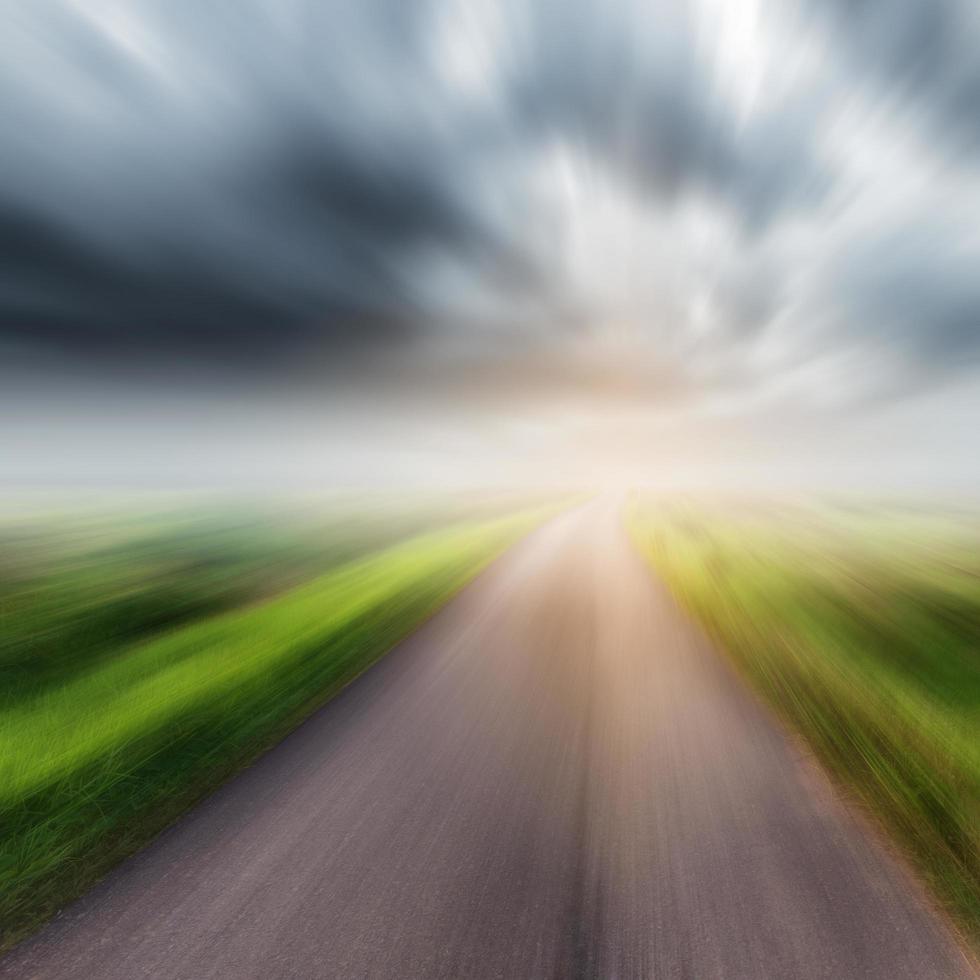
76	588
862	628
119	735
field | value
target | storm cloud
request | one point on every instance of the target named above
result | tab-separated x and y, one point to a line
921	53
711	203
271	171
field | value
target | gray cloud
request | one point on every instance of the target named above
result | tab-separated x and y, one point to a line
270	184
924	53
638	93
390	231
225	177
914	289
264	176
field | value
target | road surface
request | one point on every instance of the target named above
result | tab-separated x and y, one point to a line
557	777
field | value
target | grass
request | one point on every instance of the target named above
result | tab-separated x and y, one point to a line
862	628
136	706
76	588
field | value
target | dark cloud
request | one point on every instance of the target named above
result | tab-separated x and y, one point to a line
639	94
278	183
923	53
252	212
267	175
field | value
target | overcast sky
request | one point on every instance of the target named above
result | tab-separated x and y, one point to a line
316	242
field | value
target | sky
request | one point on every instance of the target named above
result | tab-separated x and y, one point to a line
271	242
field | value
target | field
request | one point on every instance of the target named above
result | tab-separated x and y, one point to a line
145	658
861	626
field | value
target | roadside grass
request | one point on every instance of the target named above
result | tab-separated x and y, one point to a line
96	760
862	629
75	588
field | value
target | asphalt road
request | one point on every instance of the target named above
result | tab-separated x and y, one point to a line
557	777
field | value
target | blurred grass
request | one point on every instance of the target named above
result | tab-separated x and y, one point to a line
75	587
106	736
862	628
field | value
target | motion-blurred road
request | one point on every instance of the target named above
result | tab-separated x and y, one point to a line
556	777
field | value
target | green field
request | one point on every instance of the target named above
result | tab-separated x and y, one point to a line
147	659
862	628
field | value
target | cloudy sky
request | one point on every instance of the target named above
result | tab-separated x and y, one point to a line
264	241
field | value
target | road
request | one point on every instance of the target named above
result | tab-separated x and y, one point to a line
556	777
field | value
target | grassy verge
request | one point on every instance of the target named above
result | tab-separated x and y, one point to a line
863	631
77	588
92	767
